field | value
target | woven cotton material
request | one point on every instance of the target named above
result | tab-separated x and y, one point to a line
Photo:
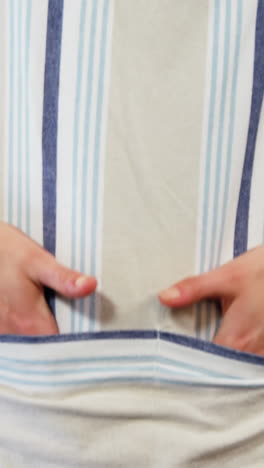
131	139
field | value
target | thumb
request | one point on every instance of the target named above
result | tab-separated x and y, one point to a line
214	284
46	271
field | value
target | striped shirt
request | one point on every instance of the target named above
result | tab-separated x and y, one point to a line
131	136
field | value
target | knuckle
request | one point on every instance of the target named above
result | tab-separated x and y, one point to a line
192	284
65	276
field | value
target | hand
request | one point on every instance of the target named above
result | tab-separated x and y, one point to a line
24	268
239	285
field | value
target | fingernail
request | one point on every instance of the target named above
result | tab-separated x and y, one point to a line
170	294
81	281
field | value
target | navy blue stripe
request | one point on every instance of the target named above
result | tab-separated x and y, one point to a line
241	227
182	340
49	129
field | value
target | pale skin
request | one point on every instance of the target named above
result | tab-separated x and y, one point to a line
239	286
26	268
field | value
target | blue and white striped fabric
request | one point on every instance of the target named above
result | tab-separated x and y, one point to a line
132	356
82	166
120	398
131	138
231	209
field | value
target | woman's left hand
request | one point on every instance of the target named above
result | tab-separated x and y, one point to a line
239	286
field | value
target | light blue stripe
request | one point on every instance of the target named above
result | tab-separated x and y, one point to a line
11	112
20	49
75	382
219	154
186	368
86	145
27	117
99	116
89	370
213	319
108	379
231	125
79	80
124	380
219	148
198	374
207	178
67	383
